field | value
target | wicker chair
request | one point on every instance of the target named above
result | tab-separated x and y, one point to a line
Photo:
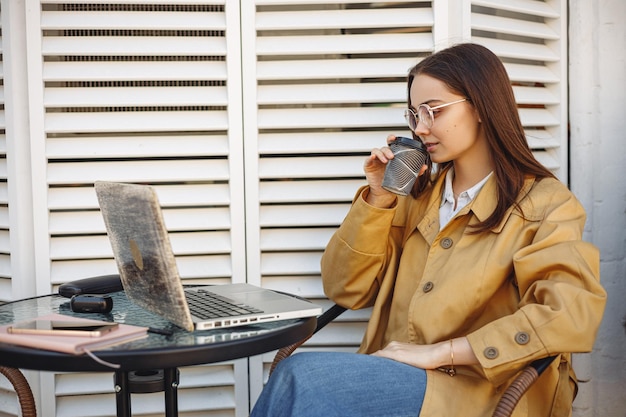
22	389
507	402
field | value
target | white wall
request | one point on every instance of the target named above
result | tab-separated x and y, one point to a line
597	46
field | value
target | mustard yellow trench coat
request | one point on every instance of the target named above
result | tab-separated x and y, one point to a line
527	289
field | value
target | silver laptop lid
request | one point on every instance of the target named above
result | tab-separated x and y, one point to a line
142	250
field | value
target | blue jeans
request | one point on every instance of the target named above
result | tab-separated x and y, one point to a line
329	384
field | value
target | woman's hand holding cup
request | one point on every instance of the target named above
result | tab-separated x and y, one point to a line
386	179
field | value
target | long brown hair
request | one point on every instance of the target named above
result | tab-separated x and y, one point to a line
477	74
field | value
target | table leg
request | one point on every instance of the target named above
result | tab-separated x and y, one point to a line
170	386
122	394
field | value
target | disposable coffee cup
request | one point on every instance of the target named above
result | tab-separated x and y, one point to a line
401	171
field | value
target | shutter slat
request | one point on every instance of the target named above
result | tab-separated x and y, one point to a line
343	44
134	2
307	286
364	93
152	121
518	50
203	267
4	193
530	73
308	191
332	93
345	19
189	267
311	167
331	2
204	400
537	117
5	266
541	139
4	217
65	271
132	20
137	146
311	215
547	160
61	198
135	96
532	7
290	263
295	239
100	382
175	220
324	142
5	242
334	68
347	334
512	26
98	246
355	117
534	95
133	46
134	71
137	171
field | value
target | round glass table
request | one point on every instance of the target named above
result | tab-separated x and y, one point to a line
149	364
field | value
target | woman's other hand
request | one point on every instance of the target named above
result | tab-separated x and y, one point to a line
420	356
430	356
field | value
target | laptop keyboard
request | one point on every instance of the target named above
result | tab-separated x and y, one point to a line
207	305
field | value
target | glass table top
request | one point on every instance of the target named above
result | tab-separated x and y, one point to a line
204	346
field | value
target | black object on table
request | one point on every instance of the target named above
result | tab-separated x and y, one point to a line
149	364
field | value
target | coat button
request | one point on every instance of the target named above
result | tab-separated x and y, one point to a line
491	353
428	286
522	338
446	243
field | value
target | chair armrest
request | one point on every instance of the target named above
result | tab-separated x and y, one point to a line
22	389
520	385
326	317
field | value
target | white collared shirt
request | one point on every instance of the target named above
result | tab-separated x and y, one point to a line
447	210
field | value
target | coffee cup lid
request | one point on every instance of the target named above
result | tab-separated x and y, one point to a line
410	143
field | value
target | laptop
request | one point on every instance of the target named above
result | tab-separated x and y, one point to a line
149	275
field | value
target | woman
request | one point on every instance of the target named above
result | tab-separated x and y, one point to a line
474	275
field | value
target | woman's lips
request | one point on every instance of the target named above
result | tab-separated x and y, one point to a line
430	146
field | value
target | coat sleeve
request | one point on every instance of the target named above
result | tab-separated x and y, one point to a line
358	253
561	299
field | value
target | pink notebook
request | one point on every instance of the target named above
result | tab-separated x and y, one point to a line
73	344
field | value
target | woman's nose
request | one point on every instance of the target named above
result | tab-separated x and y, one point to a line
421	129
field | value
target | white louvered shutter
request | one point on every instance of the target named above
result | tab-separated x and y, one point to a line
530	37
324	83
329	84
143	92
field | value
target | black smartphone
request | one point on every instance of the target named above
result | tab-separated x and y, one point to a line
63	328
